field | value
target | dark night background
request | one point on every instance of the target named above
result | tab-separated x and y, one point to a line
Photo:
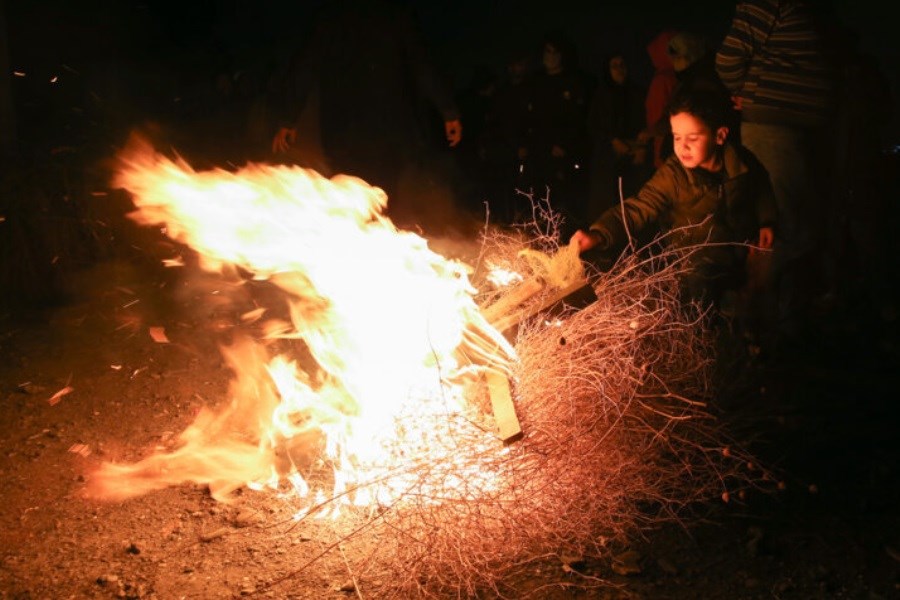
121	62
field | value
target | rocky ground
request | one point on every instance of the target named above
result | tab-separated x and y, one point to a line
84	382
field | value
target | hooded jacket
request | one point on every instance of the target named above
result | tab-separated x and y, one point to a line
661	87
694	206
663	81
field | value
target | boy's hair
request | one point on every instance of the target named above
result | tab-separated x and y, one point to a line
706	105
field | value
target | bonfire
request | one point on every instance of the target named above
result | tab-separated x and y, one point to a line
456	424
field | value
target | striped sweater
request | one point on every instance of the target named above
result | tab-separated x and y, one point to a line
774	59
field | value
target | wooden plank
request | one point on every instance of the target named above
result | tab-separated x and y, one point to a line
508	427
576	295
512	299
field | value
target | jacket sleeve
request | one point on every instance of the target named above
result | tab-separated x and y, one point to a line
749	29
646	207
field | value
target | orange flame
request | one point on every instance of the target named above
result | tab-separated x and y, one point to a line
391	326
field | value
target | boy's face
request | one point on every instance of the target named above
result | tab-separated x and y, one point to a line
695	142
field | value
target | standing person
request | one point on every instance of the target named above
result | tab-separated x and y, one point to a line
506	140
615	119
558	141
774	61
471	154
709	195
660	90
368	66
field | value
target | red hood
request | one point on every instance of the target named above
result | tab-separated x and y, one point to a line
658	49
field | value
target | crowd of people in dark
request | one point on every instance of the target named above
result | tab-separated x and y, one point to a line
362	96
802	199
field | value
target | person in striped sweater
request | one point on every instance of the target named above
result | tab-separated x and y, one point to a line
776	61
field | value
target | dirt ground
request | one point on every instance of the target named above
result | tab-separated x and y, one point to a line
84	382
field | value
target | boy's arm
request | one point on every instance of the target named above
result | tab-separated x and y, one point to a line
646	207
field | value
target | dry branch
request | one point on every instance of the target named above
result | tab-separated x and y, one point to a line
617	437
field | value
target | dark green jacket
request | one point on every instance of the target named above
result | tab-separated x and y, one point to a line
693	206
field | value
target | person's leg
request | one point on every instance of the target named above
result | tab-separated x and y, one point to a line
785	153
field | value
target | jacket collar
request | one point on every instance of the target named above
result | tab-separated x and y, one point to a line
732	163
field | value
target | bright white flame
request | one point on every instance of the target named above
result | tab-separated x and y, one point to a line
391	327
501	277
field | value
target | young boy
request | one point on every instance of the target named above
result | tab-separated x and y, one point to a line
709	195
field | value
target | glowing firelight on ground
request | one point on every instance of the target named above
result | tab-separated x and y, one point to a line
392	329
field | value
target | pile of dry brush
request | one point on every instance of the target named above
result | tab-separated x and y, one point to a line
619	437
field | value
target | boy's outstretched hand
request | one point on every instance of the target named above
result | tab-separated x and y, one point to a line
585	240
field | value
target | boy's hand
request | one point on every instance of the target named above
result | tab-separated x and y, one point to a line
585	240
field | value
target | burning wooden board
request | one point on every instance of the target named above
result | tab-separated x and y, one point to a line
506	315
508	427
507	318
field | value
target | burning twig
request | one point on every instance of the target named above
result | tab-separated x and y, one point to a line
158	334
350	572
55	398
